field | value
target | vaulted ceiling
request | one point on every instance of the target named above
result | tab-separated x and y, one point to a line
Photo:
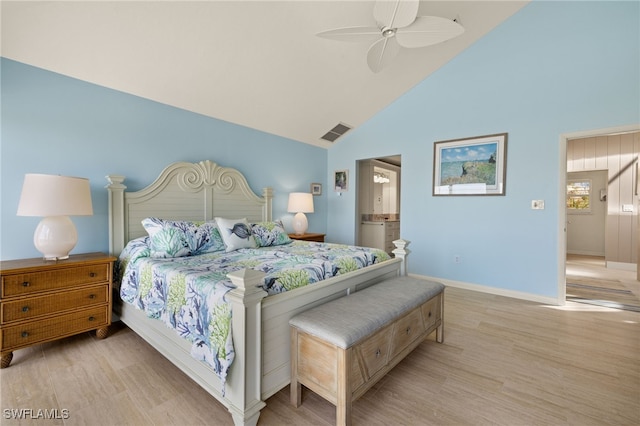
258	64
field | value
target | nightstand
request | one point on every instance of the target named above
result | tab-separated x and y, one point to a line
319	238
41	301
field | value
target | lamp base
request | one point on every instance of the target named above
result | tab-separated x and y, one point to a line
55	237
300	223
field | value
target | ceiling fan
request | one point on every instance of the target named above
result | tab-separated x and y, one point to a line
398	26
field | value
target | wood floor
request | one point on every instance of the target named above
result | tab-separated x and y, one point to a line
589	278
503	362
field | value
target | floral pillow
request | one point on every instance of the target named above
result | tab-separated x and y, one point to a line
270	233
173	238
236	233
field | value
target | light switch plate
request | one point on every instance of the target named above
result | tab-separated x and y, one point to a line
537	204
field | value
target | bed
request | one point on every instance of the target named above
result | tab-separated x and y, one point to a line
201	192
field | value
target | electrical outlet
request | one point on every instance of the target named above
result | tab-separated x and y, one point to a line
456	258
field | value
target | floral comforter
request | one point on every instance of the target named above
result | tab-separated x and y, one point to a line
189	293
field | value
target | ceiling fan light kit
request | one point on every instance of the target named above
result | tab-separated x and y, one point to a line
398	26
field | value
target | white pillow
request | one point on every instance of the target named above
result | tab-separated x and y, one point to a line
236	233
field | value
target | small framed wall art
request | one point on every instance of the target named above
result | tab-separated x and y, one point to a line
341	180
316	188
470	166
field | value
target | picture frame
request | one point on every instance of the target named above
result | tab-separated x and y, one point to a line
470	166
341	180
316	188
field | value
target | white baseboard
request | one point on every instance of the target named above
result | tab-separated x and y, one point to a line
494	290
623	266
586	253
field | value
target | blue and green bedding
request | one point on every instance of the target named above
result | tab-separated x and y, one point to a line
189	293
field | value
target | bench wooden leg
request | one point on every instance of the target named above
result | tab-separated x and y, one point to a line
296	393
440	329
295	388
344	403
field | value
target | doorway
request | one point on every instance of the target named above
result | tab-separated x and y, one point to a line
607	258
378	202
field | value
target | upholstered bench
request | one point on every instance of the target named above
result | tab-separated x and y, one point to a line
342	348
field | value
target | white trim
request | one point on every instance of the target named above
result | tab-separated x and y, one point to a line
586	253
623	266
562	183
493	290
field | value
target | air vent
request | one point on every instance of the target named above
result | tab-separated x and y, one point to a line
336	132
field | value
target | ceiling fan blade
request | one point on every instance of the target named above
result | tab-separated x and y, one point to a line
428	30
396	13
381	53
355	34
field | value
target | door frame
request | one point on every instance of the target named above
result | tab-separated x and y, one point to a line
562	188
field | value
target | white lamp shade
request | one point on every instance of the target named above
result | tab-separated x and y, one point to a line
300	202
53	195
55	198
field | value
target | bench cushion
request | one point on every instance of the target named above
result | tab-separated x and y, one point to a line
345	321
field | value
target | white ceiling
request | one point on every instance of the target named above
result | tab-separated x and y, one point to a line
254	63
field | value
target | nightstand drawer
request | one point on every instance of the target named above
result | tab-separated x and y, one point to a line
30	283
17	336
34	307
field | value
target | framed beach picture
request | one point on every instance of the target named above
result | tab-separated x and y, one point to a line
470	166
341	180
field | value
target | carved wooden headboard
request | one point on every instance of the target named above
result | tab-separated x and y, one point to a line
183	191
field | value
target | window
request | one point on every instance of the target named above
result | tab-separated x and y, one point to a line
579	196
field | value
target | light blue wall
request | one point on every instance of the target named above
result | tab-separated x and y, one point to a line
553	68
59	125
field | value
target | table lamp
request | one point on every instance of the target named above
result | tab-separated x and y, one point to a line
55	198
300	203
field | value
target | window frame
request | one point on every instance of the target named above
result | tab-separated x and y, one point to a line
573	210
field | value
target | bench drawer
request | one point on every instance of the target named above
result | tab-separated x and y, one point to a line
432	312
406	330
374	352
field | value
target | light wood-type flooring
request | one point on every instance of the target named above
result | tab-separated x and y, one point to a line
503	362
589	280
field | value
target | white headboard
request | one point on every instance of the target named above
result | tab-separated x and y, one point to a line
183	191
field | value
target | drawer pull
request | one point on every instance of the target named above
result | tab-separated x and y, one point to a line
92	296
25	334
92	318
378	353
92	274
408	330
26	284
429	314
25	309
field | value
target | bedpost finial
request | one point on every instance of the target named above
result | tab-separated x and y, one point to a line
401	252
115	181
